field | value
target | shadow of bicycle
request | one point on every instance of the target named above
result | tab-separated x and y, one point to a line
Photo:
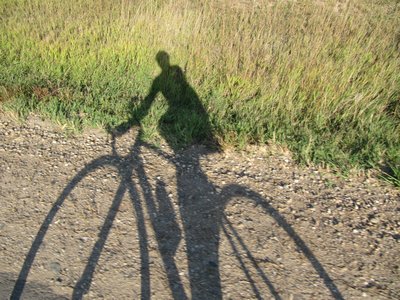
200	220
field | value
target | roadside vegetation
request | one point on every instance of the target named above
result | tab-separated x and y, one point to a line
321	78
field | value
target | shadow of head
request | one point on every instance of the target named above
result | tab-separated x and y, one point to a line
162	59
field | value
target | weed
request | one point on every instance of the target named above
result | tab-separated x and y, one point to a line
319	77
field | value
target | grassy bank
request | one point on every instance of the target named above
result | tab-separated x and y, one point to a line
320	77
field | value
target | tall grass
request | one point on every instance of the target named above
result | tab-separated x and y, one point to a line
321	77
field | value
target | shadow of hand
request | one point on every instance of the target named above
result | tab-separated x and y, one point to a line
122	128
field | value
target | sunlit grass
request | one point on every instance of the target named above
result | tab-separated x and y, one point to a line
320	77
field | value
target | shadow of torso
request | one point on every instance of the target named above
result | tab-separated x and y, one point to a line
186	121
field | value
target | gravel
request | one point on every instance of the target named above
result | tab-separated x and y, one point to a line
197	224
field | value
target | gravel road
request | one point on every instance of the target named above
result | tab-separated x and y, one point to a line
83	217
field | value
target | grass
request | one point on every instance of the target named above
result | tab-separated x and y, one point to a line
319	77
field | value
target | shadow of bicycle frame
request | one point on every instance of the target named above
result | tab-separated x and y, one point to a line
158	206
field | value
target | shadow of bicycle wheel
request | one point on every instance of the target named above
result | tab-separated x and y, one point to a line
257	253
33	290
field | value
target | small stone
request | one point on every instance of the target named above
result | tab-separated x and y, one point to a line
55	267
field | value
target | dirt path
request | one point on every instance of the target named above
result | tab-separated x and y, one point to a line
77	220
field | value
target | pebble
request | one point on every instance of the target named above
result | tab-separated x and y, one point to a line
319	213
55	267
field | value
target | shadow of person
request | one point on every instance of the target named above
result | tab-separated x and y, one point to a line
185	123
200	206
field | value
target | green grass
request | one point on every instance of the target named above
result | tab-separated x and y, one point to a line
319	77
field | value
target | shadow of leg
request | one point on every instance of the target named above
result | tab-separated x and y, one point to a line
168	236
167	231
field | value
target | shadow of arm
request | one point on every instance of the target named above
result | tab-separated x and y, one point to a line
137	113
